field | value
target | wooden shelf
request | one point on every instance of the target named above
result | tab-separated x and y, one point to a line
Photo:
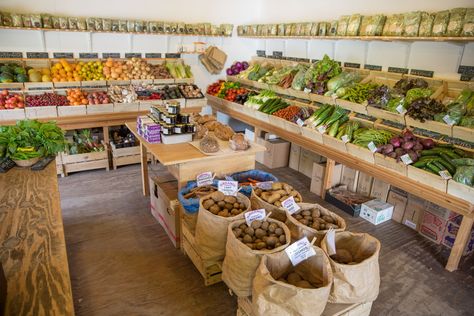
368	38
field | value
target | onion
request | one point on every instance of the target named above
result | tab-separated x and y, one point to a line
238	64
245	64
396	141
229	72
427	143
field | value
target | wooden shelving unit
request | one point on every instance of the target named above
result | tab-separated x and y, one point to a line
368	38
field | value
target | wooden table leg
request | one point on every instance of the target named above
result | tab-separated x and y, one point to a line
327	177
462	238
144	162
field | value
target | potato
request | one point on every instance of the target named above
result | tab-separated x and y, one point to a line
315	225
257	240
282	239
221	204
333	226
328	219
265	196
294	193
247	239
293	278
235	211
260	245
271	242
306	213
256	224
304	284
316	213
303	221
264	225
298	216
214	209
243	226
237	232
273	198
308	217
249	231
342	256
277	186
237	205
288	188
324	212
217	196
272	227
207	203
278	231
224	213
228	206
259	233
278	244
297	199
284	197
242	206
230	199
277	203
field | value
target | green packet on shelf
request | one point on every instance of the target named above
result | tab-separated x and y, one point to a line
353	26
456	21
342	25
468	27
411	22
426	24
440	23
394	25
372	25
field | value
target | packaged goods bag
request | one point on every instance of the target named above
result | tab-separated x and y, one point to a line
426	24
353	25
271	199
355	268
211	229
372	25
456	21
440	23
332	31
241	261
342	25
468	26
313	221
412	22
246	176
314	29
273	294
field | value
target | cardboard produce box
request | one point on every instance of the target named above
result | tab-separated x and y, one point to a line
276	153
376	211
317	177
414	212
380	190
435	219
364	184
307	159
451	232
348	201
165	206
399	203
295	153
349	178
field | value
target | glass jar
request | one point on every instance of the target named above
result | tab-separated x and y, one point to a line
180	129
167	129
184	119
190	128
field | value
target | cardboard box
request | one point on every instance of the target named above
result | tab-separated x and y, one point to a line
440	211
399	203
380	190
435	219
349	178
165	206
376	211
317	177
451	232
414	212
364	184
307	159
276	153
295	153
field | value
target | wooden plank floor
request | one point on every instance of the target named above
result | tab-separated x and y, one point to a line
122	263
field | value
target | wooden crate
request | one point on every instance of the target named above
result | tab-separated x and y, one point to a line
360	152
118	82
100	108
262	116
452	89
276	121
163	81
32	86
312	134
244	307
322	99
12	86
196	103
211	272
433	126
94	84
184	80
81	162
390	163
215	100
335	143
352	106
126	156
464	133
67	85
292	127
142	81
35	112
461	191
126	107
72	110
427	178
10	115
386	115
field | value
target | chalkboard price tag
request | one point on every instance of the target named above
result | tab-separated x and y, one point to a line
11	55
314	60
422	73
88	55
338	62
172	55
110	55
152	55
398	70
463	69
373	67
352	65
277	54
133	55
37	55
304	60
261	53
63	55
466	77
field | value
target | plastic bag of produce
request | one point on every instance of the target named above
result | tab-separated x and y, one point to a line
314	29
81	24
465	175
131	26
211	229
426	24
47	21
298	82
107	24
190	205
245	176
323	28
91	24
354	25
272	296
412	22
56	22
17	20
278	212
7	19
273	30
355	268
468	27
342	25
372	25
320	219
440	23
394	25
341	80
456	21
35	20
153	27
241	262
72	23
307	29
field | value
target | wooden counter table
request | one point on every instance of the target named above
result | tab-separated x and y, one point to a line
32	245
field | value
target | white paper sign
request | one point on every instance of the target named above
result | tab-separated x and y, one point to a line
300	122
345	138
372	147
290	205
204	178
322	129
400	109
228	187
267	185
306	90
445	174
300	251
254	215
448	120
406	159
331	241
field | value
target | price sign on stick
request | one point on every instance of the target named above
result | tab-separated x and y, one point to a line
204	178
290	205
267	185
372	147
331	241
300	251
406	159
228	187
254	215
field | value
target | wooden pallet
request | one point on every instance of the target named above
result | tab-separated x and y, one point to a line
244	308
81	162
211	272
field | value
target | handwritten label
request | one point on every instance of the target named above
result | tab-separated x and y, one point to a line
37	55
260	53
63	55
110	55
372	147
266	185
352	65
11	55
345	138
373	67
88	55
448	120
133	55
204	178
254	216
300	122
228	187
400	109
422	73
152	55
172	55
398	70
290	205
300	251
331	242
322	129
445	174
406	159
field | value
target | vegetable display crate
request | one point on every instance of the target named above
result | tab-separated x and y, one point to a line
335	143
10	115
142	81
427	178
184	80
126	107
40	112
12	86
312	134
100	108
94	84
386	115
433	126
144	106
352	106
72	110
196	103
211	272
292	127
32	86
67	85
88	161
244	308
277	121
299	94
59	165
461	191
215	100
163	81
360	152
322	99
118	82
262	116
464	133
126	156
390	163
247	110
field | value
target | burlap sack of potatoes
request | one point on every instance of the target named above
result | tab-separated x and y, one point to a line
278	213
273	297
211	230
355	283
241	262
299	230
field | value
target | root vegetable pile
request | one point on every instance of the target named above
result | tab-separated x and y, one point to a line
319	219
288	113
222	205
298	280
261	235
278	193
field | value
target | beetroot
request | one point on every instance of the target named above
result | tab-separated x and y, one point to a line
418	146
408	135
427	143
388	148
408	145
396	141
392	155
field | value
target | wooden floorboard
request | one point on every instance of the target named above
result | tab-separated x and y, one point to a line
122	263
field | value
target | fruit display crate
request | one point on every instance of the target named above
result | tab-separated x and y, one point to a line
126	155
211	272
88	161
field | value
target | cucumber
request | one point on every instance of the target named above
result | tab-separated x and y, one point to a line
420	164
435	169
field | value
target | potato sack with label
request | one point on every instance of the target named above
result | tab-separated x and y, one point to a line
272	199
